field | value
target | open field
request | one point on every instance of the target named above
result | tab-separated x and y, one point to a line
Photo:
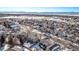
31	32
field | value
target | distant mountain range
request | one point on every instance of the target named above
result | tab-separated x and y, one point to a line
42	13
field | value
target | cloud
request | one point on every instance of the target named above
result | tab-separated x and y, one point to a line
38	3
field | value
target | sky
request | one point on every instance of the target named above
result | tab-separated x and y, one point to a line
39	3
39	9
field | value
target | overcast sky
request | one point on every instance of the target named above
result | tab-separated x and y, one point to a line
39	3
